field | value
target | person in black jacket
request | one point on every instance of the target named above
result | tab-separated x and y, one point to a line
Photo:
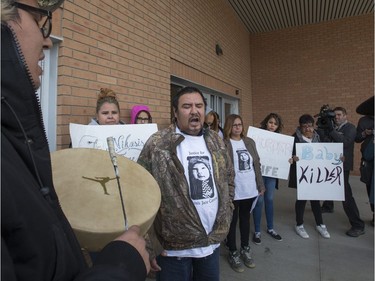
345	132
305	132
365	136
37	241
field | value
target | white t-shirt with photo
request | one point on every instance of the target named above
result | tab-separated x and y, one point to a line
244	180
197	163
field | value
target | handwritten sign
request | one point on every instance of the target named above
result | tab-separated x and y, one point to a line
320	173
274	150
128	139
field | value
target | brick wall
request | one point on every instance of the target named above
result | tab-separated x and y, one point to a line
297	70
133	47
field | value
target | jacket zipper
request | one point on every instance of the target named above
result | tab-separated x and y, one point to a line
37	103
28	73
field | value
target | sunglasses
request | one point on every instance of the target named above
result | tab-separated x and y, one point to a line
46	27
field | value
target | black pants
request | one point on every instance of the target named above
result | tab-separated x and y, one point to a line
242	211
368	189
329	205
300	210
350	207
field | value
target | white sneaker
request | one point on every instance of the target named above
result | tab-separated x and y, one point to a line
301	231
322	229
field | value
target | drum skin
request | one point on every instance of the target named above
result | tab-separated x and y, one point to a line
88	192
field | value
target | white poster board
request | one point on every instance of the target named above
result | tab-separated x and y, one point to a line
128	139
320	173
274	150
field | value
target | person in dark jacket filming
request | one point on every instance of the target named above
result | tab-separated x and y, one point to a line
37	241
342	131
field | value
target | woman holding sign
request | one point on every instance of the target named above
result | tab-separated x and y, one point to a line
248	185
107	109
272	123
305	133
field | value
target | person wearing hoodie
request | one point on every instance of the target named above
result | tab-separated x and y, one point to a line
107	109
140	114
37	241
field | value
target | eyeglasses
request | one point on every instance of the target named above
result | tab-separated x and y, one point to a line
143	119
237	125
46	27
307	126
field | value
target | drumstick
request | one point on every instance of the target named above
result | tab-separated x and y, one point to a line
112	155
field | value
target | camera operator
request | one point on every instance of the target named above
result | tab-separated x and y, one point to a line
340	130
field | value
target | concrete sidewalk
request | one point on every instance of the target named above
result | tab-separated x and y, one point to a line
340	258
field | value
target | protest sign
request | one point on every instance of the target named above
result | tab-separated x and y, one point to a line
128	139
274	150
320	173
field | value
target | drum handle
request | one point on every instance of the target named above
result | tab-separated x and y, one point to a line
112	155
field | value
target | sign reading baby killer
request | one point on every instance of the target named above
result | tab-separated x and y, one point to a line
274	150
320	173
128	139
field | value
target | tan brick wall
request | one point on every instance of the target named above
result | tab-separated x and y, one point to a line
200	25
129	46
297	70
134	47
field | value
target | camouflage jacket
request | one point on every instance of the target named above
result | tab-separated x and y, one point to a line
177	225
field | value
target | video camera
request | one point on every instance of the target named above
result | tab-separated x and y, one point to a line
325	117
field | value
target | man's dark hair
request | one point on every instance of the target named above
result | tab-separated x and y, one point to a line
339	108
306	118
186	90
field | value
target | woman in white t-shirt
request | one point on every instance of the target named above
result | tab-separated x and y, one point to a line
248	186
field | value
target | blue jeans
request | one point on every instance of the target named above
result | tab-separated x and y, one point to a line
187	269
267	198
